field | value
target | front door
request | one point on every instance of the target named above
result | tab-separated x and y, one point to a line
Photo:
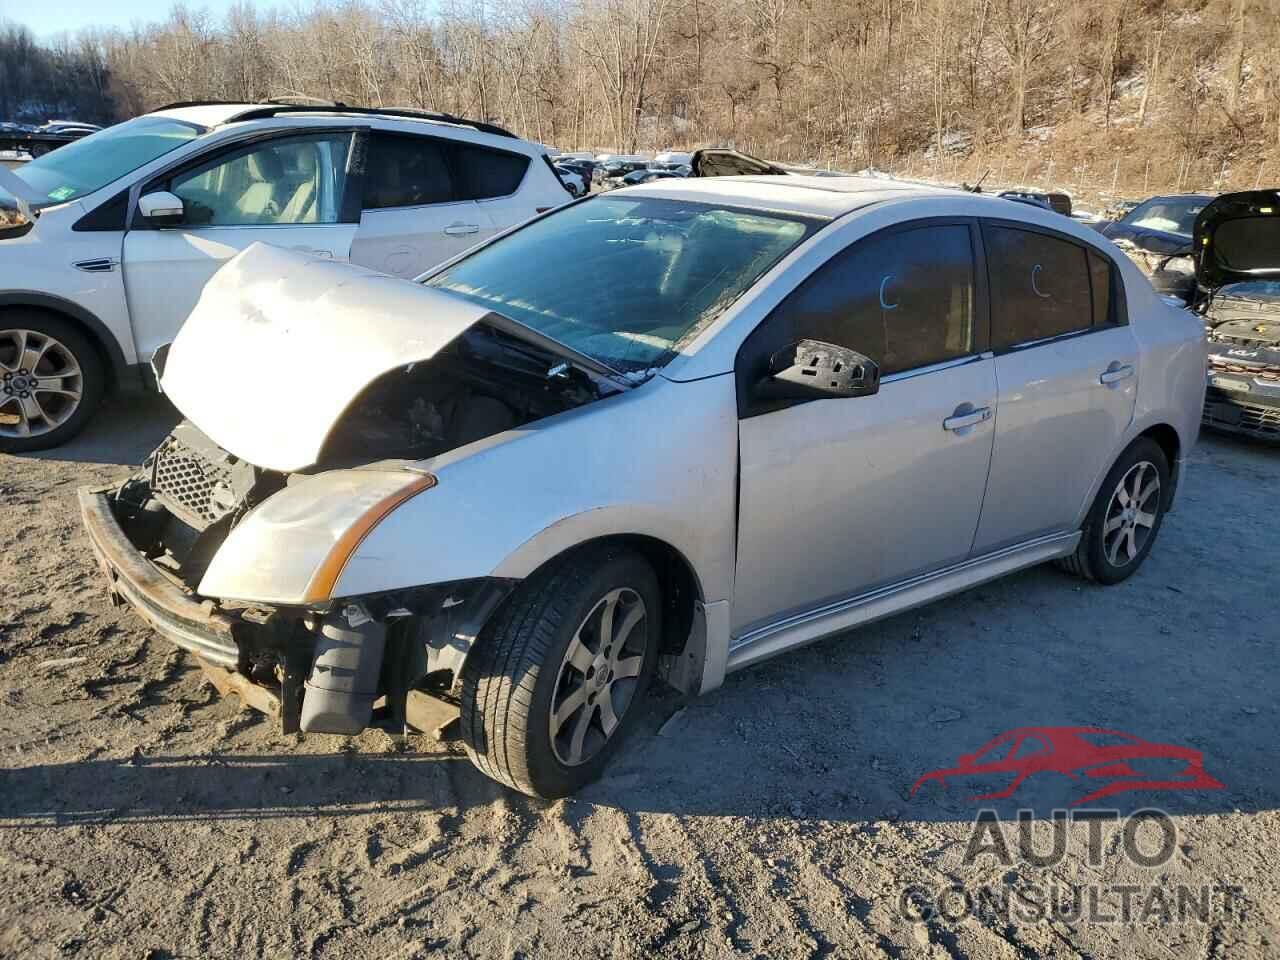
1067	365
841	495
287	191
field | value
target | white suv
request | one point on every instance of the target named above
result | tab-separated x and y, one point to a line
108	241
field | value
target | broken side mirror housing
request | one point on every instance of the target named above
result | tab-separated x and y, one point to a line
162	209
816	370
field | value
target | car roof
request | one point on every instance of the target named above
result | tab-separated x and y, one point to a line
805	195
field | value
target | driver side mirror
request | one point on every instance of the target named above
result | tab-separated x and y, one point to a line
815	369
162	209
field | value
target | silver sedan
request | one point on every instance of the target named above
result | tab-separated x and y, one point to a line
756	412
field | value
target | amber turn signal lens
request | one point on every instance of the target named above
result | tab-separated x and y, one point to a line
320	588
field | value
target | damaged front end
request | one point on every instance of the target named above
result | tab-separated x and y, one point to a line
232	548
321	669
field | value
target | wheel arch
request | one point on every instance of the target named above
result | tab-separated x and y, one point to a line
109	350
681	588
1167	439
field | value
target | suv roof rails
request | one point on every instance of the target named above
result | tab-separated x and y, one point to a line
281	105
180	104
273	110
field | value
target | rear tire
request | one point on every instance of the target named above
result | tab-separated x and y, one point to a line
550	655
1126	515
46	406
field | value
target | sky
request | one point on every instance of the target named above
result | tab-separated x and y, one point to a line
48	18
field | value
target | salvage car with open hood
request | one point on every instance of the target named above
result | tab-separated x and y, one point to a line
763	411
1237	258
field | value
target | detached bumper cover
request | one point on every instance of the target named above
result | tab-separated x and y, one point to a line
195	627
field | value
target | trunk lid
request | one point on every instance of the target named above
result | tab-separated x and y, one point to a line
719	162
281	343
1237	239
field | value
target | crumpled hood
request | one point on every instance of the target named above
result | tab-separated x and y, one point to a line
281	343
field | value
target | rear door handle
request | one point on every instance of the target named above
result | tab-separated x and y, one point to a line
1115	373
461	229
962	420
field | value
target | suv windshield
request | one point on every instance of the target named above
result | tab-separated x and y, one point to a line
86	165
646	273
1168	216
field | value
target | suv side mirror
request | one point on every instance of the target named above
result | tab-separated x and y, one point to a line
162	209
814	369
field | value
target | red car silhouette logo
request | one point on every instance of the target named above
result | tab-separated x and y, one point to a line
1075	752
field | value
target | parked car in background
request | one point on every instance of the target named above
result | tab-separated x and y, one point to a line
572	180
1156	235
1119	208
1236	240
38	141
585	169
671	160
521	499
1160	225
121	230
614	170
72	128
637	177
1057	202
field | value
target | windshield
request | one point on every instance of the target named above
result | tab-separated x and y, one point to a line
1168	216
646	273
86	165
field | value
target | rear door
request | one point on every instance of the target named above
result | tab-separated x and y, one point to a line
284	190
1067	368
428	198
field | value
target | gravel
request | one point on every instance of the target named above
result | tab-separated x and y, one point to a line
141	815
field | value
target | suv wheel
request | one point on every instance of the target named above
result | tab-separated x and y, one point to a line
556	678
51	380
1125	516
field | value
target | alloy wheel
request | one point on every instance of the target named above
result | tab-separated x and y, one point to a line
598	676
1131	514
40	383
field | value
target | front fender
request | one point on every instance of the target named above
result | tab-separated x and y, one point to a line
659	461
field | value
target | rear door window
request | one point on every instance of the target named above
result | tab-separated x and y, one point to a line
1040	286
407	171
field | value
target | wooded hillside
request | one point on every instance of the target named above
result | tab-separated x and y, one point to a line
1086	94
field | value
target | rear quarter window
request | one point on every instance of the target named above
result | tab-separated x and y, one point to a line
485	173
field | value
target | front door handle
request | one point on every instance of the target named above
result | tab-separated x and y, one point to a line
462	229
1115	373
316	252
961	420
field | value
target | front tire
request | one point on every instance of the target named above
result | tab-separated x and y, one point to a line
556	678
51	380
1125	517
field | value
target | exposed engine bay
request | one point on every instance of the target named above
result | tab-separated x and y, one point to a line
190	492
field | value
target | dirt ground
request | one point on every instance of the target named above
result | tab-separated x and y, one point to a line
141	816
